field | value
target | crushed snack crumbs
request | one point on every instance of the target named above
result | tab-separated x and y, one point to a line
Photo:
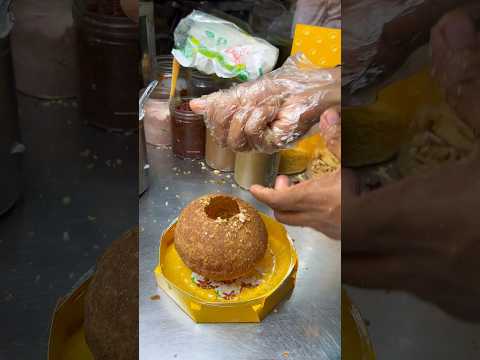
155	297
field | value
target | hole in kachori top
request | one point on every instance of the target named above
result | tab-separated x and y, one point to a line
222	207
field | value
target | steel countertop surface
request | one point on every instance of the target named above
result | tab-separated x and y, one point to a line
305	326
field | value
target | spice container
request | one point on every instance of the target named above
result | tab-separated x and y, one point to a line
217	156
157	119
202	84
255	168
108	55
163	73
188	130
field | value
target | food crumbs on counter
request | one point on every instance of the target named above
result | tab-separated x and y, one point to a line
91	218
155	297
66	200
275	310
90	166
119	162
177	196
66	236
166	203
216	172
166	188
234	185
285	354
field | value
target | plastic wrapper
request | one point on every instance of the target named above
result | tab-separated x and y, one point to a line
216	46
274	111
6	18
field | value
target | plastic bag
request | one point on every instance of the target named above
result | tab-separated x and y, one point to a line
6	18
272	112
215	46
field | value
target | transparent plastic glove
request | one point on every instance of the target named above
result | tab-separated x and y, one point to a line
273	111
379	35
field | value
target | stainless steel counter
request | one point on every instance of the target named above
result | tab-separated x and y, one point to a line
306	326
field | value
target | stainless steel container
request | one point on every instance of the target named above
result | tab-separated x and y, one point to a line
142	147
255	168
10	148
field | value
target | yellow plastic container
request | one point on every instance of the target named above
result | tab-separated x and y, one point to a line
67	337
374	133
356	343
323	46
252	305
293	161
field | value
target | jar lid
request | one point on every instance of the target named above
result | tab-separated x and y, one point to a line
164	64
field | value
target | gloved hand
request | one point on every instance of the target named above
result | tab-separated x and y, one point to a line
273	111
379	35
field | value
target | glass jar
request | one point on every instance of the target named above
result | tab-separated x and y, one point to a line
163	73
202	84
157	126
188	130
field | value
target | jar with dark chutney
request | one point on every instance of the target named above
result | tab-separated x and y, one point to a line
188	130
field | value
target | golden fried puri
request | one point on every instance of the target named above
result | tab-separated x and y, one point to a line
220	237
111	303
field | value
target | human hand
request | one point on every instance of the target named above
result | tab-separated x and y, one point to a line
315	203
419	235
455	45
269	113
330	127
